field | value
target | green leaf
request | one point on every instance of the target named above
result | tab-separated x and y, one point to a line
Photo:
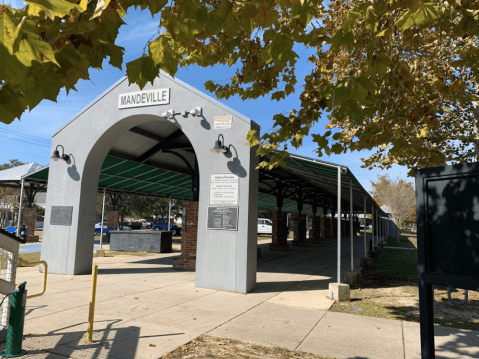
252	138
210	86
55	8
33	48
278	95
141	71
101	5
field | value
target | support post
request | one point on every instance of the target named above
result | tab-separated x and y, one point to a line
169	213
102	218
339	225
372	227
91	313
19	222
364	230
351	222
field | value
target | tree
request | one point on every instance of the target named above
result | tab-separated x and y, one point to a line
397	76
398	195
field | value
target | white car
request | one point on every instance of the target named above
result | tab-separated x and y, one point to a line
265	226
145	223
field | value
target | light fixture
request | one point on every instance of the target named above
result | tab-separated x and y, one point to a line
168	114
219	147
56	154
196	111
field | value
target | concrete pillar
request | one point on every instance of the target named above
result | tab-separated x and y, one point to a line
113	219
316	229
299	239
187	259
280	232
29	219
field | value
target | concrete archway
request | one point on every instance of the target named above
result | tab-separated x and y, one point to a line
226	259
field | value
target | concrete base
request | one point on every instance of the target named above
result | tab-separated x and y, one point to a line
339	292
300	244
366	262
278	247
354	279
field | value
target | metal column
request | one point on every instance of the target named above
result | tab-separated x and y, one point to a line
364	230
102	218
19	221
372	226
351	223
339	224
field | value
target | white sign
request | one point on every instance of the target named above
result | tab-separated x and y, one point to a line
223	122
224	189
144	98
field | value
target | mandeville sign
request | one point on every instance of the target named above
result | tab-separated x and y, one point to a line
144	98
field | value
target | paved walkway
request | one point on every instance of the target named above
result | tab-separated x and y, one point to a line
145	309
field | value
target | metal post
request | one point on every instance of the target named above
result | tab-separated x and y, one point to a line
372	226
19	222
339	224
102	218
169	213
351	223
364	230
91	313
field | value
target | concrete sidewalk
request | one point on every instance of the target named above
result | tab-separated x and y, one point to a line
145	309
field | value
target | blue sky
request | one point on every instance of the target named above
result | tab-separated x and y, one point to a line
39	125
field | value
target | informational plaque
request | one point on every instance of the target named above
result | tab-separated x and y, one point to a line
225	218
223	122
61	216
224	189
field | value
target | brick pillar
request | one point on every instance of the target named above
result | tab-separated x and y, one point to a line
315	232
29	218
280	232
112	218
187	259
299	239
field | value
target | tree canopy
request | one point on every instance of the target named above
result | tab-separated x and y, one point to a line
398	195
394	76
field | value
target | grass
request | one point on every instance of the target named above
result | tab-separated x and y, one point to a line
399	264
30	257
404	242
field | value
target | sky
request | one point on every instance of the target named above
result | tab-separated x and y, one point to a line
29	139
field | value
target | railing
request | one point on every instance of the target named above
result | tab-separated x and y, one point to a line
45	273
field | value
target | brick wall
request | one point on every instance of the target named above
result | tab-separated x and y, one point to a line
280	231
112	218
29	218
187	259
299	230
315	232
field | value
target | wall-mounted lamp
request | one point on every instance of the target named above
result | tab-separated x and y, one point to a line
56	154
219	147
196	111
168	114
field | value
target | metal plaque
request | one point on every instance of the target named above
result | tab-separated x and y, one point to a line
61	216
224	218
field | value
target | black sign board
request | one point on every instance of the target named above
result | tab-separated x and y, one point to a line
61	216
447	209
225	218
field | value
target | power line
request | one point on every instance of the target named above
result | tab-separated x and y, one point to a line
28	142
36	138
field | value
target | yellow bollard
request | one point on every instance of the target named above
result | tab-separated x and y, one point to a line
91	315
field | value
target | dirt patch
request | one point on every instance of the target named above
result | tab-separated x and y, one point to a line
391	298
206	346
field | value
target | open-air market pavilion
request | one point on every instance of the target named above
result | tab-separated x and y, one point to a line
171	140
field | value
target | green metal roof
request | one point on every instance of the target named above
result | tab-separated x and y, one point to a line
316	180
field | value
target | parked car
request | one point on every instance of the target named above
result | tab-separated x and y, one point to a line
265	226
145	223
159	225
107	230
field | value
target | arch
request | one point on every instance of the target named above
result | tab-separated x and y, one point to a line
225	259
